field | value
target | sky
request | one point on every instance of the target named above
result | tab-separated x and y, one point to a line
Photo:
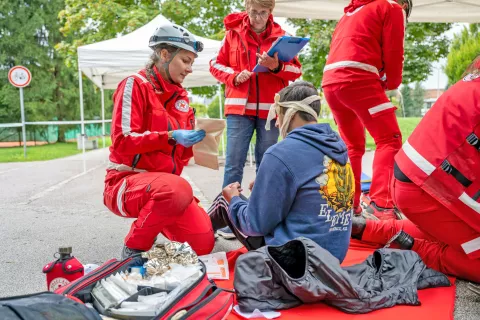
436	79
438	76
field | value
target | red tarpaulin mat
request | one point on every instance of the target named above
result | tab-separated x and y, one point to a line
437	303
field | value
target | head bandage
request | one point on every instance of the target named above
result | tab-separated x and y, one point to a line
293	107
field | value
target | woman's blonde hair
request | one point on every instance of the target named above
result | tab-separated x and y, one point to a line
268	4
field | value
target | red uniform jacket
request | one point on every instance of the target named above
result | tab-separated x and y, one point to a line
237	53
442	155
368	43
142	117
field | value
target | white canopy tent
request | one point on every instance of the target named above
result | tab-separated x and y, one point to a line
467	11
108	62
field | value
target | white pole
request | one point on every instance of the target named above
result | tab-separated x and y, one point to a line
251	154
221	116
438	82
103	116
82	120
24	134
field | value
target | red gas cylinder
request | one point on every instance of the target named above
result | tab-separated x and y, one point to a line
63	270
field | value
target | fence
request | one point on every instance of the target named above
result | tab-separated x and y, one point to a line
48	133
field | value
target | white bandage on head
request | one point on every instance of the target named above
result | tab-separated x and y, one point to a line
293	107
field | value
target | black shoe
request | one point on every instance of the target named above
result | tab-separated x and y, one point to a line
358	226
403	239
135	254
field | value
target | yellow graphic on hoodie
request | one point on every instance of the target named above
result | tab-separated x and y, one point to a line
337	185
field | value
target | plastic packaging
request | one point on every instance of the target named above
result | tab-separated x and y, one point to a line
135	273
89	268
127	287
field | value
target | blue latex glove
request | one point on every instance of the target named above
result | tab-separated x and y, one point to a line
188	138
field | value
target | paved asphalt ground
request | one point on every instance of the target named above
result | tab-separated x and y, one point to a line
44	205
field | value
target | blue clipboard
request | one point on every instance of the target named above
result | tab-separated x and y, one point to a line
287	47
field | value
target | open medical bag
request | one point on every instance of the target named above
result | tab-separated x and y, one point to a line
202	299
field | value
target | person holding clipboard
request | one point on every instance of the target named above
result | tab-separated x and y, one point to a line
365	59
249	95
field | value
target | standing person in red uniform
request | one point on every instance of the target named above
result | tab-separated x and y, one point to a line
437	185
249	35
152	139
365	59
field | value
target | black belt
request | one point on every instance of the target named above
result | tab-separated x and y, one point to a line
399	175
476	196
474	141
448	168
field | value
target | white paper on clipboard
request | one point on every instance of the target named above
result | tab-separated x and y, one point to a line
205	153
217	265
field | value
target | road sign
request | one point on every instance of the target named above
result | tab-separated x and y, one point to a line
19	76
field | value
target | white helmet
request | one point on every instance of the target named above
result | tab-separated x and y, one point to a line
176	36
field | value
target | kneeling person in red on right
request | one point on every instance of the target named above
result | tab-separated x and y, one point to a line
436	185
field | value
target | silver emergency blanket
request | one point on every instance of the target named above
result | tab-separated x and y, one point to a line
162	255
300	271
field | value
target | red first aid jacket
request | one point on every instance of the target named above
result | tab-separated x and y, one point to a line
145	108
368	43
237	53
442	155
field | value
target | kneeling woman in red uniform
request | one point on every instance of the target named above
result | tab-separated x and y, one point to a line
437	185
152	136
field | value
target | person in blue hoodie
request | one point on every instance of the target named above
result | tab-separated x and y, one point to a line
304	185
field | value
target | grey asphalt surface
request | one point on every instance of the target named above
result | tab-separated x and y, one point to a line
44	205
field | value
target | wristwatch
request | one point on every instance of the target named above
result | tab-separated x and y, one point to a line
171	139
277	69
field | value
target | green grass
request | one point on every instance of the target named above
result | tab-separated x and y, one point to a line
407	125
60	150
44	152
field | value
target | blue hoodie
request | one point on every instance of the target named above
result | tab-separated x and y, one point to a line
304	187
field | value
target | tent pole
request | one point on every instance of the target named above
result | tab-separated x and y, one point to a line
82	119
221	116
103	114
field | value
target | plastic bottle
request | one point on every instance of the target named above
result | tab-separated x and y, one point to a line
135	273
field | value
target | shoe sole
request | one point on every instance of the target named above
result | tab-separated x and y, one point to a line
225	235
474	288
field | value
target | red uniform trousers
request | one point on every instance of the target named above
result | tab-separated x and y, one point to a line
438	232
364	105
161	203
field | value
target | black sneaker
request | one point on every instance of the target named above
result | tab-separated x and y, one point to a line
135	254
358	226
403	239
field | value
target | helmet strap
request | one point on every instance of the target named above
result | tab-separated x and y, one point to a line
166	65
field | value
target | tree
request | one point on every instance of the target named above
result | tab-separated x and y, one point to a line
192	15
30	41
200	109
107	19
418	99
394	97
465	47
314	58
425	43
408	104
213	109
